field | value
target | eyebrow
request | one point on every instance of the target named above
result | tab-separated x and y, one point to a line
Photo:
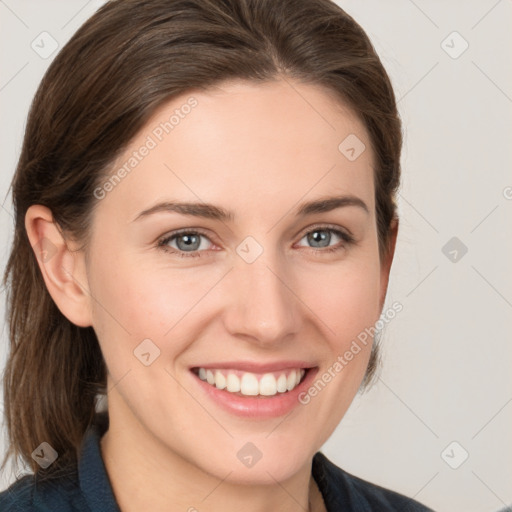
211	211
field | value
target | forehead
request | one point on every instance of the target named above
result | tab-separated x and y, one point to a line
248	147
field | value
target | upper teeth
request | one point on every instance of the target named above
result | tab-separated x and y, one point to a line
247	383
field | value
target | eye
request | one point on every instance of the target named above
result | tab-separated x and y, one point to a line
321	236
188	243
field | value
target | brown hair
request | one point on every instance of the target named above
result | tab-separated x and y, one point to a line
123	63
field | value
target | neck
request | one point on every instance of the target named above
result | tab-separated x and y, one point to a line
149	476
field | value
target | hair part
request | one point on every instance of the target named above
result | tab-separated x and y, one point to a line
124	62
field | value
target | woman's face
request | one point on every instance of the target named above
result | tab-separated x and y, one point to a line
269	288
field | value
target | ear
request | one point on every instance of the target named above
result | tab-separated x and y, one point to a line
63	271
387	261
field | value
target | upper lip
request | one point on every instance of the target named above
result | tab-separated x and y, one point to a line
253	367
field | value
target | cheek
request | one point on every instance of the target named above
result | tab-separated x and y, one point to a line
136	300
346	306
162	300
345	298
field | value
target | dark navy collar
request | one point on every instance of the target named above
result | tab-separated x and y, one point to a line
92	474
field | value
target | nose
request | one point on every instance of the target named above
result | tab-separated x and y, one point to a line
262	306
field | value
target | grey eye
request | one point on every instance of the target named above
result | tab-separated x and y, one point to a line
320	238
188	242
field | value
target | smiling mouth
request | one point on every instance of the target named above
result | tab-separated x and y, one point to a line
244	383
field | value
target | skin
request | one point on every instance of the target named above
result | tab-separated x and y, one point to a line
258	150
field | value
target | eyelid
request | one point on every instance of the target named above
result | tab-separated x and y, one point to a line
319	226
172	235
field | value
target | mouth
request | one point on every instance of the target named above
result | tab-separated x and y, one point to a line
255	391
243	383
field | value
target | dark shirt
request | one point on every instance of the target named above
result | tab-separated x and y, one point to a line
86	488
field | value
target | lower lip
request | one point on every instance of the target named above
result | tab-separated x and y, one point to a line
257	406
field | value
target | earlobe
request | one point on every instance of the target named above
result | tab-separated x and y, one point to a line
388	260
63	271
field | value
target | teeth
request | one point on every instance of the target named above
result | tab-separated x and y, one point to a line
268	385
281	383
248	384
233	383
290	381
220	380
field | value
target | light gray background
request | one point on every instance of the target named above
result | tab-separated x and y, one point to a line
447	355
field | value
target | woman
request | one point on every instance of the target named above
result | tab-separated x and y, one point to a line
205	225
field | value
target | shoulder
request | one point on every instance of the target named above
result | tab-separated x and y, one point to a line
344	491
31	493
18	496
80	486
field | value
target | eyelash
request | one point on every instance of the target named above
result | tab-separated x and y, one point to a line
162	242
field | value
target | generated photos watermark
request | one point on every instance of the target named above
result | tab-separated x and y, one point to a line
344	359
152	140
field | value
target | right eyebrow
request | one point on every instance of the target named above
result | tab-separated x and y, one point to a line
205	210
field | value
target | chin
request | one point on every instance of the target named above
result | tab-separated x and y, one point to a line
258	462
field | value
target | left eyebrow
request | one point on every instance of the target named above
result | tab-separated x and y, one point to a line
210	211
330	203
